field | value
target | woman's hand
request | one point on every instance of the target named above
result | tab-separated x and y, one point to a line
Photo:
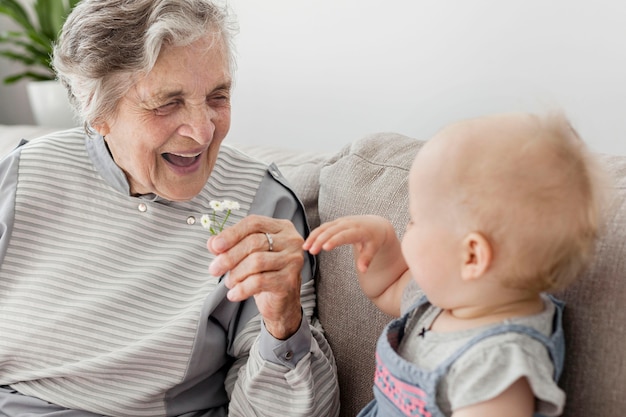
271	276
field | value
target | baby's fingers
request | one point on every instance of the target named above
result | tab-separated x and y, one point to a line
315	240
364	254
328	237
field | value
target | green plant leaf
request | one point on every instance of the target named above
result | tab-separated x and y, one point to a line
16	12
51	15
19	40
27	74
10	36
21	57
44	43
25	50
34	44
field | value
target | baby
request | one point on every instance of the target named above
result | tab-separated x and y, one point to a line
502	210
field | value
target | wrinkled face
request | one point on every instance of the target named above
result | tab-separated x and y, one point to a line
168	128
431	245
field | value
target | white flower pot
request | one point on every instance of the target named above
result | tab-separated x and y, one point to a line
50	105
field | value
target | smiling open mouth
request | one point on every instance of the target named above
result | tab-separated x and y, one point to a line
180	160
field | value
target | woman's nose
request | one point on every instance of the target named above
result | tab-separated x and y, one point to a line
198	123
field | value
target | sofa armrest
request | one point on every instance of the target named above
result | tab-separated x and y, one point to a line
11	135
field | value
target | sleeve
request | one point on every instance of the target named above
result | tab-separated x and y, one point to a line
8	185
293	377
491	366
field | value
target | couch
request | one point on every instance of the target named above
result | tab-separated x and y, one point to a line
370	176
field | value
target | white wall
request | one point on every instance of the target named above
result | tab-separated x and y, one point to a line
318	74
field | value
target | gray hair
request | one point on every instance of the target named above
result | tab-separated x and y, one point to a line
106	45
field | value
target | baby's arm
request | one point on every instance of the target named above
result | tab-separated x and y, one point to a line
382	271
517	400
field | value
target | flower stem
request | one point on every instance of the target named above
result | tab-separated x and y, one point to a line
224	222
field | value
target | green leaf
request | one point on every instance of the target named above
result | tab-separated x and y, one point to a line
30	50
19	40
51	15
37	38
41	40
27	74
24	59
11	36
16	12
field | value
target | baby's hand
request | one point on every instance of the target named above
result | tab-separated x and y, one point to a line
366	233
382	271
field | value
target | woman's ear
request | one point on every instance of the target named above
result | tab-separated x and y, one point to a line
102	128
477	256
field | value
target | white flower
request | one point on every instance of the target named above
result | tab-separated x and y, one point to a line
230	205
209	221
217	206
206	221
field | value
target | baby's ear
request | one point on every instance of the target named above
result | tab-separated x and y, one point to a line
477	256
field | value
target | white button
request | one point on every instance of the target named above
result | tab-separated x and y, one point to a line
191	220
142	207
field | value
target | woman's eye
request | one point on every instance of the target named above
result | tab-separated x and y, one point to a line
218	99
166	108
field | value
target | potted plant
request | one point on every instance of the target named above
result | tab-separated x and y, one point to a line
31	45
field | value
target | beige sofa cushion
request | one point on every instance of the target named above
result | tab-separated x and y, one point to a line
367	177
301	169
594	377
370	176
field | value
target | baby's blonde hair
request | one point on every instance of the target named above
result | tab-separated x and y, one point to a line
540	201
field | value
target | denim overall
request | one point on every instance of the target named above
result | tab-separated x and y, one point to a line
402	389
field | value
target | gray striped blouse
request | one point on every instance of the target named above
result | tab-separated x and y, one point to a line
107	307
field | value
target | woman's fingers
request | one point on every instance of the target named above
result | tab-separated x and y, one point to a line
234	255
244	252
273	276
279	282
287	262
250	225
251	235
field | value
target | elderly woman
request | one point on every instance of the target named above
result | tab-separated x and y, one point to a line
110	302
